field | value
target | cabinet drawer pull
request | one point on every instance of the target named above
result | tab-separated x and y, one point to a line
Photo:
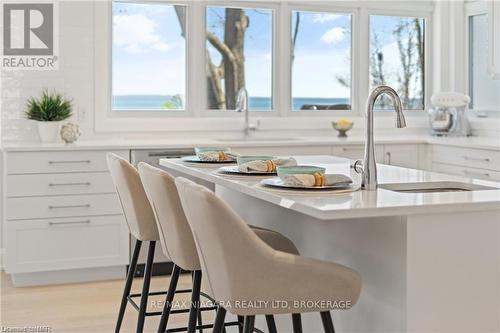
468	158
388	154
472	173
69	184
70	206
70	222
70	162
351	149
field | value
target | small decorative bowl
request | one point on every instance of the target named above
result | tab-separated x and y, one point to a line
249	158
342	128
299	170
206	149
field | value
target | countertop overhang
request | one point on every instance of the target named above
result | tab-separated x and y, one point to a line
358	204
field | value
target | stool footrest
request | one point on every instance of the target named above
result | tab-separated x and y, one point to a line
180	291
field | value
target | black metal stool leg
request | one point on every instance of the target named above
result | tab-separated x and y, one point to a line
326	318
241	320
249	324
219	320
174	278
145	287
195	300
271	325
297	323
128	285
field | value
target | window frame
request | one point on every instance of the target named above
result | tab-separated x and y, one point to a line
428	43
197	116
275	8
187	111
324	8
472	9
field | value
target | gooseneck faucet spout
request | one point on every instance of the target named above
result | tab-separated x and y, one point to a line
369	171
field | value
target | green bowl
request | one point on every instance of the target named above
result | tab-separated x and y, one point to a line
205	149
249	158
299	169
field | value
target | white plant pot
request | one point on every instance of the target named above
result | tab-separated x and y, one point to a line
49	131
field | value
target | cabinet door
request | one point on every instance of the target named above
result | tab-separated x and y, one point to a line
356	152
494	38
401	155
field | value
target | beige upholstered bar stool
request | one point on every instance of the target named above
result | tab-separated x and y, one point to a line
241	270
141	224
177	240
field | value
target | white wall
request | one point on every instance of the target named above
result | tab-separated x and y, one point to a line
74	77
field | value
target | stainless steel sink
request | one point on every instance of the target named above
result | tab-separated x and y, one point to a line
433	187
251	139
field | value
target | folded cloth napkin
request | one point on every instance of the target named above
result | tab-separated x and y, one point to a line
316	179
266	165
216	156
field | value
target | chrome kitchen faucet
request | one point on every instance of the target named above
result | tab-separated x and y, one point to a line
369	168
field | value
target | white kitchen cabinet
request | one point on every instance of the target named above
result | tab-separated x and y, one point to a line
402	155
62	215
468	162
284	150
356	152
494	38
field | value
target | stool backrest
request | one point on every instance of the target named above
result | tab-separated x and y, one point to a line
176	237
233	258
135	204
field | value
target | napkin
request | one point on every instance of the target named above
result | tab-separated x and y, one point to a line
316	179
216	156
266	165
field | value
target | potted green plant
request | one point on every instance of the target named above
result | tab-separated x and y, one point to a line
49	111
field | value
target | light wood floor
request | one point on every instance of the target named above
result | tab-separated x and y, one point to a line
83	307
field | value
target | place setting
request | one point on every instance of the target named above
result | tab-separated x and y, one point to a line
256	165
308	178
210	156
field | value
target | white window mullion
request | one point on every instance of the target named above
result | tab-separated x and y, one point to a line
282	61
362	61
196	67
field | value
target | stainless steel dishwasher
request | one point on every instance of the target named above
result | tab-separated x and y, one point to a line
162	265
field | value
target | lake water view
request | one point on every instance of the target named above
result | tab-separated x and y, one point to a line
165	102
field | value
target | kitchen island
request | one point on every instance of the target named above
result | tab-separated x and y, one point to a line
429	258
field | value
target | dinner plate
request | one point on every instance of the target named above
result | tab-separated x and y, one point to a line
235	171
277	182
196	159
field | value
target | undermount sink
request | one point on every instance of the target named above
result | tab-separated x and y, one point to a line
434	187
250	139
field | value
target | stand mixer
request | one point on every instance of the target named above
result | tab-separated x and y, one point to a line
447	116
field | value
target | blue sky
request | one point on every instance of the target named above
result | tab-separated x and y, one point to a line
149	52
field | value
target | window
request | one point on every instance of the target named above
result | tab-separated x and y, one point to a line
239	54
483	90
321	61
148	61
397	49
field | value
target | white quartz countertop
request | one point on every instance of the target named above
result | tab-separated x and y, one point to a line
357	204
490	143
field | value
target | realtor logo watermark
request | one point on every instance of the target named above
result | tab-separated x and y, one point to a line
30	36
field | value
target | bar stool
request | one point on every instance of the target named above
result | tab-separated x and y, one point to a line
141	224
177	240
241	270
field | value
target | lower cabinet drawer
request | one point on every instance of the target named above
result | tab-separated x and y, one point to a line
474	173
69	243
473	158
62	206
59	184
